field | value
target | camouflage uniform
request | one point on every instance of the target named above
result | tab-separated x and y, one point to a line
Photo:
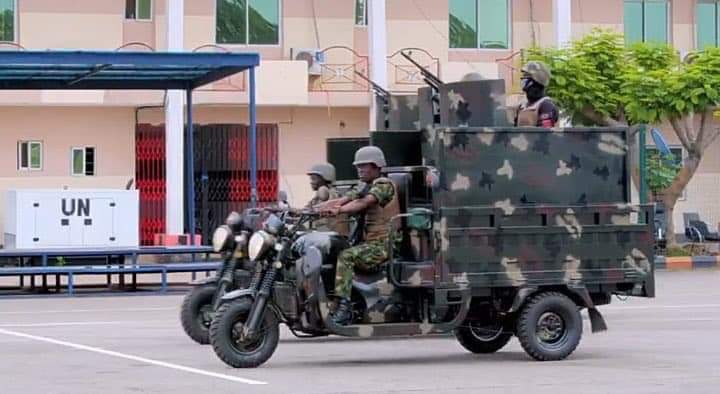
370	255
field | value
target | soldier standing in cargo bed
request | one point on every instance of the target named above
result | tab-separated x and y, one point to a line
377	204
538	110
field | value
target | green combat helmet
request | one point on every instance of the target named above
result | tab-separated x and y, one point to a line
537	71
472	76
370	154
325	171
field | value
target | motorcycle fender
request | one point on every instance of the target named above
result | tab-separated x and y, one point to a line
235	294
205	281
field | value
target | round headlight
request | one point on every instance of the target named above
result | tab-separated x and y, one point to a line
273	225
259	243
221	238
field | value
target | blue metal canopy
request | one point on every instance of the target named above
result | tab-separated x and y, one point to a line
33	70
118	70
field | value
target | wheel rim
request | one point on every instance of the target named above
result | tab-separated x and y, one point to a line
486	333
241	344
205	316
551	330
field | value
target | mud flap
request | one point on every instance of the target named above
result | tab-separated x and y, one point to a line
597	322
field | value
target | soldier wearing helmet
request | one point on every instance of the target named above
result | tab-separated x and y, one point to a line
538	110
322	176
376	203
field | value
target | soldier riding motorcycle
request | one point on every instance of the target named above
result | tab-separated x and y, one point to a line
294	283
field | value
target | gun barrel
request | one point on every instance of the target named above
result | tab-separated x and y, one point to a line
430	78
377	88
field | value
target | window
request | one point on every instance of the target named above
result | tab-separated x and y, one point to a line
646	21
7	20
706	20
253	22
83	161
479	24
361	12
29	155
138	9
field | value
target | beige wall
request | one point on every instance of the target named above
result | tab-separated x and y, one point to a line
109	130
305	118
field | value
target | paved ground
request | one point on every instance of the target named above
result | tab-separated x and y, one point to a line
134	344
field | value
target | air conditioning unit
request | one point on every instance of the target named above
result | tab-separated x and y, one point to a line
314	57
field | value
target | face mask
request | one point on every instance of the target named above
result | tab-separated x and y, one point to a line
526	84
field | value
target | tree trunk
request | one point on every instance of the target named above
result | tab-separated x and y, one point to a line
674	191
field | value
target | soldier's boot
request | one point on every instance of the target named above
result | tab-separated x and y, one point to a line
343	313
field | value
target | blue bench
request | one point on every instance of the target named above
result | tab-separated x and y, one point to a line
120	268
72	271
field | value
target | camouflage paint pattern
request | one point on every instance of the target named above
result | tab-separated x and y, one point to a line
530	207
473	104
404	113
509	167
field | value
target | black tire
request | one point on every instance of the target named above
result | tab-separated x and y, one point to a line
549	326
196	313
482	340
226	345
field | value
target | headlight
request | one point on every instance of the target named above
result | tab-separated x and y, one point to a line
221	238
260	242
273	225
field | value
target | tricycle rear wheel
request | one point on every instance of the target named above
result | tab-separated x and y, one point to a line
549	326
483	339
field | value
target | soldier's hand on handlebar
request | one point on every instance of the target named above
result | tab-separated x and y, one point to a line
329	211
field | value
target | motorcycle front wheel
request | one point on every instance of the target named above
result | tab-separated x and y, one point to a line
229	343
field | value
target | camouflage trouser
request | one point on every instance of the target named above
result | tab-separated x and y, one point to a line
365	257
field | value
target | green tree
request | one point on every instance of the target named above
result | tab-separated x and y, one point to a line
660	171
598	80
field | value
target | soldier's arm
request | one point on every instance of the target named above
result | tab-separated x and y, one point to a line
547	114
322	194
359	205
381	193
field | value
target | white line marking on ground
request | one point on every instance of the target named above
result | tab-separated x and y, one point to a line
133	358
76	323
693	306
87	310
673	320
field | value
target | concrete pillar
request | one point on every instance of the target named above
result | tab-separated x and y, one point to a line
377	42
563	22
174	201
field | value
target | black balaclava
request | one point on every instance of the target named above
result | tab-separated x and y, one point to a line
533	90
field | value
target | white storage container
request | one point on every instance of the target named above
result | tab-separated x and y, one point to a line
71	218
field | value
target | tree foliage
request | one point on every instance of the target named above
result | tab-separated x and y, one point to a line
661	171
600	81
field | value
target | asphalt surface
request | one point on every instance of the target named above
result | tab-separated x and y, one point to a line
670	344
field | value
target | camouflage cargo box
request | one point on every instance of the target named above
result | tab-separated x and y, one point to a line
532	207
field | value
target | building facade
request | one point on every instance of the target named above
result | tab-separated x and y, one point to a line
307	87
